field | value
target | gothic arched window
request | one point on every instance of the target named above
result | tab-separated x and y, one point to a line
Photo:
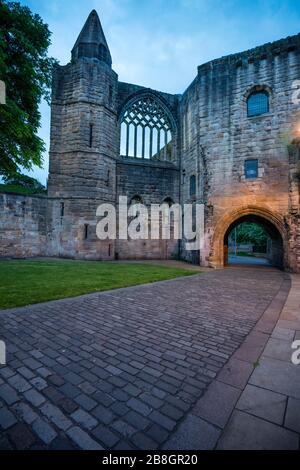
146	130
258	103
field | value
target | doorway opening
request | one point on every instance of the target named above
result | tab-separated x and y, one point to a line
255	241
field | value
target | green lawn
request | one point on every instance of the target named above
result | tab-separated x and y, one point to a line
24	282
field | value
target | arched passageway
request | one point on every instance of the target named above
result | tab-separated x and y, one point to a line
253	240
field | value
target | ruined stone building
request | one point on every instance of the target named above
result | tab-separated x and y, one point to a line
230	141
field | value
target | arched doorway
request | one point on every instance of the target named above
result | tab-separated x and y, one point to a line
272	221
253	240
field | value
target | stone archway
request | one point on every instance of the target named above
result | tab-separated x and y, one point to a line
272	223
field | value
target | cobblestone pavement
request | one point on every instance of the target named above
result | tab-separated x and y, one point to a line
122	369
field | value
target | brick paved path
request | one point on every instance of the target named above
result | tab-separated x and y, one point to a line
120	370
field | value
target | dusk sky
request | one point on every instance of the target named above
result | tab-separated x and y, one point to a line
160	43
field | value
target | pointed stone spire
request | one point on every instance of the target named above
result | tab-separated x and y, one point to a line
91	42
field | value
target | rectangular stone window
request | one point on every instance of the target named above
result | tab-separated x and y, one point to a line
86	231
251	169
62	209
91	136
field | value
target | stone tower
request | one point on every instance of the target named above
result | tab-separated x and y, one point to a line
84	141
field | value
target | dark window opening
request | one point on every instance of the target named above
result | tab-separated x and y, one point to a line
192	185
136	200
62	209
169	201
91	135
258	103
251	169
108	178
86	231
109	250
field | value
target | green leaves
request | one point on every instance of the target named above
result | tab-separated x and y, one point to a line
27	71
249	232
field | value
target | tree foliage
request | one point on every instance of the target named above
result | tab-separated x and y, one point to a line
25	182
26	70
249	232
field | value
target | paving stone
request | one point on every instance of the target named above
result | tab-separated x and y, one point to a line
87	388
138	406
5	444
277	376
103	414
132	390
122	445
86	402
56	380
136	420
292	418
103	398
8	394
263	403
74	379
34	397
120	395
53	394
44	431
107	438
252	347
171	412
157	433
61	443
19	383
43	372
283	333
68	405
217	404
39	383
83	440
162	420
70	390
32	363
236	373
119	409
36	354
56	416
193	434
84	418
7	419
143	442
6	372
124	428
175	401
247	432
21	436
279	349
25	412
113	370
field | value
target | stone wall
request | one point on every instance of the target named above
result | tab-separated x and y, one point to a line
153	182
72	231
218	137
23	227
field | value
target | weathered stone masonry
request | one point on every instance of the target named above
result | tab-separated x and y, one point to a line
212	137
